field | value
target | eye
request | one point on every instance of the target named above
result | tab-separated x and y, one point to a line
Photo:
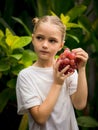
39	38
53	41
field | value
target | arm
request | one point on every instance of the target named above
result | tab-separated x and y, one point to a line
41	113
79	98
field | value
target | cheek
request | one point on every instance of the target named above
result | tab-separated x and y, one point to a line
55	50
35	47
35	44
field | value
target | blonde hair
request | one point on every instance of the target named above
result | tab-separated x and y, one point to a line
53	19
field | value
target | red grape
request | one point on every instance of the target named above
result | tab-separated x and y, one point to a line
71	56
67	58
66	52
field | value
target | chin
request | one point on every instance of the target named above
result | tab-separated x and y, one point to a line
44	58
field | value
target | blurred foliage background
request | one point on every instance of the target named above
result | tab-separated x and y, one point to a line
16	51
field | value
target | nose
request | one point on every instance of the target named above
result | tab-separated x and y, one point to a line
45	44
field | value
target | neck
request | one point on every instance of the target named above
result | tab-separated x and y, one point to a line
44	64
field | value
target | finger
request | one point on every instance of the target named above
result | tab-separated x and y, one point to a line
65	69
82	57
80	53
58	64
67	75
77	50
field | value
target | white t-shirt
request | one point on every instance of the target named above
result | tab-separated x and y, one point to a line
33	85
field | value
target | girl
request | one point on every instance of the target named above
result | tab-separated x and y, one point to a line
47	95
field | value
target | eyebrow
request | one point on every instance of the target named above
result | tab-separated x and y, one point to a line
44	36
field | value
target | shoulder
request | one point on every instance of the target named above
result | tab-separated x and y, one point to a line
24	71
28	72
23	77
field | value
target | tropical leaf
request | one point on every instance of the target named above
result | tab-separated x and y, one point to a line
1	34
4	66
4	23
17	68
24	123
85	23
60	6
10	38
28	58
16	56
43	7
24	25
11	83
74	37
3	45
21	42
64	19
72	25
76	12
87	121
4	97
8	32
52	13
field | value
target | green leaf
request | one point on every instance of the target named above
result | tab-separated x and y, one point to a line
4	23
28	57
87	121
72	25
76	11
24	25
11	83
52	13
16	56
86	26
74	37
0	75
95	25
17	68
43	6
24	123
1	34
10	38
3	46
8	33
85	23
4	66
64	19
21	42
4	97
16	41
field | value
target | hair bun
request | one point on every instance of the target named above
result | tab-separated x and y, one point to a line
35	20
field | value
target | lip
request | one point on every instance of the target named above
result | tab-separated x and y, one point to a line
44	52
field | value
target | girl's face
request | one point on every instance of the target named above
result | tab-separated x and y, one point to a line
47	41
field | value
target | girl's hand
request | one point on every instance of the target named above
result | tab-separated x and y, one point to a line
59	77
82	57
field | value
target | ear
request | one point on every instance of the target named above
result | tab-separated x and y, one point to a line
61	45
32	37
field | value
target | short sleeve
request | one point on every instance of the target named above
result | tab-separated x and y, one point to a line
26	93
72	83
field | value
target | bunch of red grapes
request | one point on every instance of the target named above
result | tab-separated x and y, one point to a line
68	58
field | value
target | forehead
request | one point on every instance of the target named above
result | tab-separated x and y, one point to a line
48	27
